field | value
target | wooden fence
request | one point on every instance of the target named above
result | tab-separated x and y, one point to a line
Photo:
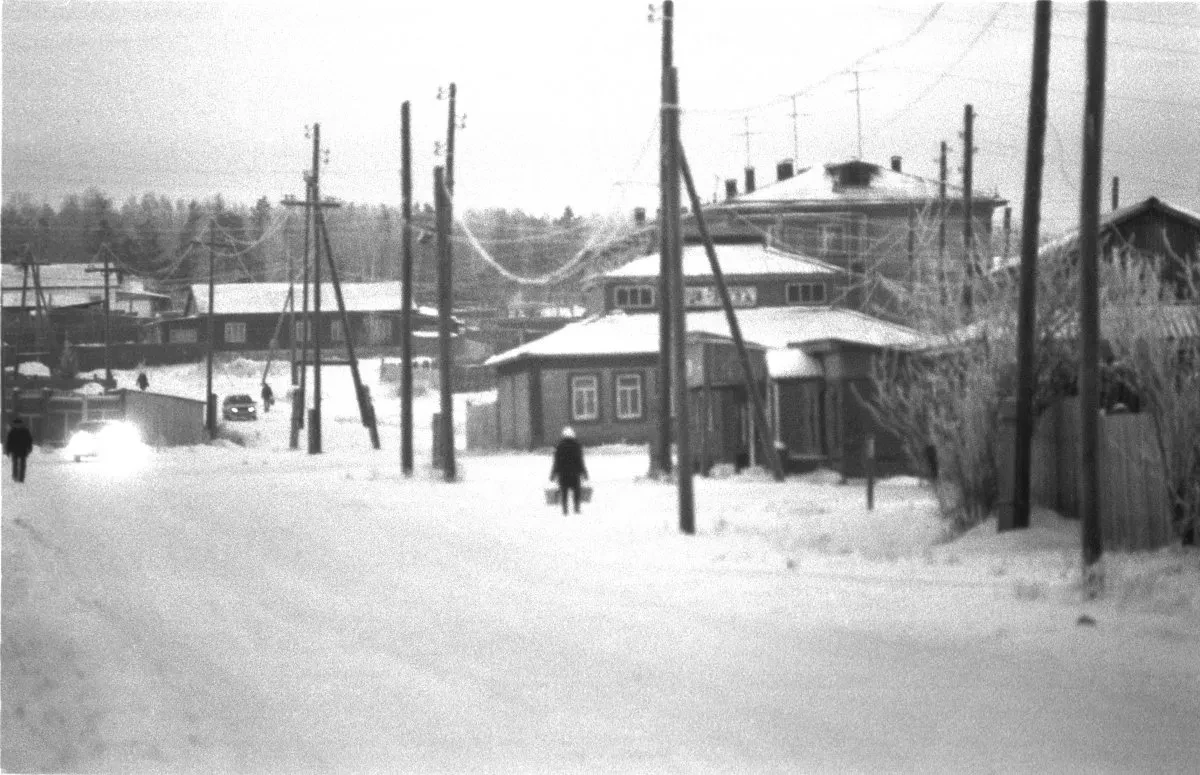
1135	512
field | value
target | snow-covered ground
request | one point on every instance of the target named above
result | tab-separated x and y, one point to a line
253	608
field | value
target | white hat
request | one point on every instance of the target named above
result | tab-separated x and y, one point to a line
568	432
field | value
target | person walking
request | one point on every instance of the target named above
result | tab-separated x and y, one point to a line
143	381
268	397
568	467
17	445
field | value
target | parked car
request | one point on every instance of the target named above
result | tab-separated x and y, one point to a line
239	406
103	438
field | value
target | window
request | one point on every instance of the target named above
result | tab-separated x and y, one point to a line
585	397
633	296
235	332
806	293
629	396
706	296
337	332
301	331
832	239
181	335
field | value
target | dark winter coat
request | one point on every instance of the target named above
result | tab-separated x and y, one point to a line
568	462
19	441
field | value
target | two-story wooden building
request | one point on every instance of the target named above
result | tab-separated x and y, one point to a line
861	216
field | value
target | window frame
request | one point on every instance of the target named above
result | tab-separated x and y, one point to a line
572	388
231	329
639	391
646	298
800	286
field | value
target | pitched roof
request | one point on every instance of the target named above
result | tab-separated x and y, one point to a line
773	327
72	276
741	259
820	183
250	298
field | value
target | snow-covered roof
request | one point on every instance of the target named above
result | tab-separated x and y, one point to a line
619	333
247	298
822	183
741	260
74	276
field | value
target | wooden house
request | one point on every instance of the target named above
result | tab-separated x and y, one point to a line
253	317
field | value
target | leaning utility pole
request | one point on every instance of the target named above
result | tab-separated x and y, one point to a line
1089	301
972	270
406	294
366	409
1031	213
735	330
445	255
668	177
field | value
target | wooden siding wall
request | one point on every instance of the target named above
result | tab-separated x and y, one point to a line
512	401
556	406
1135	513
800	416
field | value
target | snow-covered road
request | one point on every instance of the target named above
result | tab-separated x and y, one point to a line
251	610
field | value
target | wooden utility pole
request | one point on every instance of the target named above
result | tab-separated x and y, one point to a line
314	421
210	399
683	437
1089	300
1007	231
307	324
25	260
451	125
972	270
107	270
1116	192
406	294
660	461
445	255
764	434
1031	213
291	296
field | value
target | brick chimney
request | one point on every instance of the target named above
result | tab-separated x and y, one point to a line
749	180
784	170
896	163
730	189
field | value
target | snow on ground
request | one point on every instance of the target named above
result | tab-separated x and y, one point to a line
252	608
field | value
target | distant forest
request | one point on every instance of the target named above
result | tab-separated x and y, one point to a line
167	242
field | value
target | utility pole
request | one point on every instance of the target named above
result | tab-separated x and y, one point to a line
314	421
968	204
1089	301
445	307
1116	192
661	459
406	294
451	125
107	270
308	326
287	234
1007	231
210	398
1031	213
683	417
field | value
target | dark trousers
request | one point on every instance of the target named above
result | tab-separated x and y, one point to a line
568	486
18	463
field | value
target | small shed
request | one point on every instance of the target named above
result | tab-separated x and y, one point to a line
720	405
797	402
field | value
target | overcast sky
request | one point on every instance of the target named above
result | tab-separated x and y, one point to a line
561	99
